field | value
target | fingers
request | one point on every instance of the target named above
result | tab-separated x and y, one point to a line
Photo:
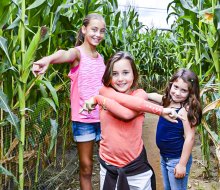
85	108
35	69
179	176
181	117
88	106
173	120
43	70
179	171
39	68
175	115
81	110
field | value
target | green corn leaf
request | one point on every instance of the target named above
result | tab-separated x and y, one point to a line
117	18
6	108
4	3
53	133
16	2
30	53
189	6
15	23
43	90
50	101
12	118
52	91
216	55
217	18
4	102
36	4
3	46
8	173
4	12
58	12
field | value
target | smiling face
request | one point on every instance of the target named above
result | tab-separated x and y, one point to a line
179	91
122	76
94	32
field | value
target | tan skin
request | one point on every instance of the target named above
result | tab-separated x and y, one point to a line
85	152
93	33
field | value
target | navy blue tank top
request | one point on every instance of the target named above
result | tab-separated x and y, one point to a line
170	137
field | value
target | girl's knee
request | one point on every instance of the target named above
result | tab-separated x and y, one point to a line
86	172
86	168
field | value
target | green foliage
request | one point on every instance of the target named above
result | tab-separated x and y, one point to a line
197	33
11	117
193	43
8	173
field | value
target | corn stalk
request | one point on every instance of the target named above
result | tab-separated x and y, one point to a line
27	57
212	134
21	96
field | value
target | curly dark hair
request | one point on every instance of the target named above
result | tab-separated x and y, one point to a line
192	103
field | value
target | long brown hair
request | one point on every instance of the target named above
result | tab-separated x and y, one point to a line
107	77
86	21
192	103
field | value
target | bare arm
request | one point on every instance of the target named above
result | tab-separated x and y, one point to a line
61	56
189	132
155	97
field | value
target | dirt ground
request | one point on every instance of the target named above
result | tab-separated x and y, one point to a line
197	180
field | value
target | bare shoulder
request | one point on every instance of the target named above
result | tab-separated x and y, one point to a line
74	51
183	111
74	56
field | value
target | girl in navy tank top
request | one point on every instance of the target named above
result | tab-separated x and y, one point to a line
175	140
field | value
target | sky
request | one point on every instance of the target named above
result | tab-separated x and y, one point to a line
152	13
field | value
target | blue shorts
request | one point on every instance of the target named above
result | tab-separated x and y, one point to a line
84	132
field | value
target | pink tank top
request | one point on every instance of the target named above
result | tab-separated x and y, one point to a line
86	80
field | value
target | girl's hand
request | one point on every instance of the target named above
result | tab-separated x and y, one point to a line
88	105
171	115
40	66
180	171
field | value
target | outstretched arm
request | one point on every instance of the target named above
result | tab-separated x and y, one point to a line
112	106
61	56
189	132
155	97
138	103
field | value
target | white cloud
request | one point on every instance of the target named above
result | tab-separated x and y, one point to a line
152	13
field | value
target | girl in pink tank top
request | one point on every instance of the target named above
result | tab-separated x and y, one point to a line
87	68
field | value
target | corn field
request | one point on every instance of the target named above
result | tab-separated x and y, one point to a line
35	126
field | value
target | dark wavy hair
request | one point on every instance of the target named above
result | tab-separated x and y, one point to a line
192	103
86	21
107	77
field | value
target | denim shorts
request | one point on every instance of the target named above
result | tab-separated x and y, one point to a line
84	132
